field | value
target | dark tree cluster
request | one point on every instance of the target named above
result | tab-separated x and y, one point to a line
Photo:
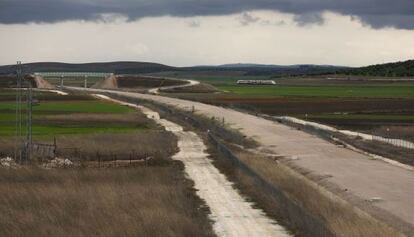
397	69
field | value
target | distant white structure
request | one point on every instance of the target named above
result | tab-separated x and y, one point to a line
72	74
256	82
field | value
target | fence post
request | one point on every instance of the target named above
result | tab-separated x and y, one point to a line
54	146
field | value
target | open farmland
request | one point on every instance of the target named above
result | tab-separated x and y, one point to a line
149	197
85	128
87	125
44	115
345	91
361	104
308	87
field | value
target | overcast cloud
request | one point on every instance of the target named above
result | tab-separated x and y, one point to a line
266	37
375	13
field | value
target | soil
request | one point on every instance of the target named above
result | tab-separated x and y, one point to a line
289	105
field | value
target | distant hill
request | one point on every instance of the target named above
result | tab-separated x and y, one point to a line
145	67
109	67
272	70
397	69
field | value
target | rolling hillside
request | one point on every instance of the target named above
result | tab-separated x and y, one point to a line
110	67
397	69
271	70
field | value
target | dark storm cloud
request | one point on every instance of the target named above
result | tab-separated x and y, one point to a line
247	19
376	13
309	19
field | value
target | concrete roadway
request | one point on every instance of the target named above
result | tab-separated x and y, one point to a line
392	187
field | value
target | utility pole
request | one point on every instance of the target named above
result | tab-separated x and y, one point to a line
86	82
18	139
29	141
23	147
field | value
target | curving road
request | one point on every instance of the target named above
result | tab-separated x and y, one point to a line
390	186
157	90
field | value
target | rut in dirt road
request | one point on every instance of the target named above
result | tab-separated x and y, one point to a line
231	213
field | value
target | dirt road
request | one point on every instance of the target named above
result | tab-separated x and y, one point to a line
390	187
190	83
111	82
231	213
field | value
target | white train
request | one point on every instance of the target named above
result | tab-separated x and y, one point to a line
256	82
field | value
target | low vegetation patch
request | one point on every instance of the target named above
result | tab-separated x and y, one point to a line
147	201
199	88
146	82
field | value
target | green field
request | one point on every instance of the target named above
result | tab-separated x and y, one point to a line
303	87
56	107
389	91
44	125
69	129
228	80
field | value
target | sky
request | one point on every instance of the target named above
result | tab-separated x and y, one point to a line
207	32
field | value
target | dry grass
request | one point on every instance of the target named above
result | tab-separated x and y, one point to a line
199	88
146	82
341	218
159	145
6	146
151	201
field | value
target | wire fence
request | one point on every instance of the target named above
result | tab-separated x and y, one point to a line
289	209
383	139
394	141
44	152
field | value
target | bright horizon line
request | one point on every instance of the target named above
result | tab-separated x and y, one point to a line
206	65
